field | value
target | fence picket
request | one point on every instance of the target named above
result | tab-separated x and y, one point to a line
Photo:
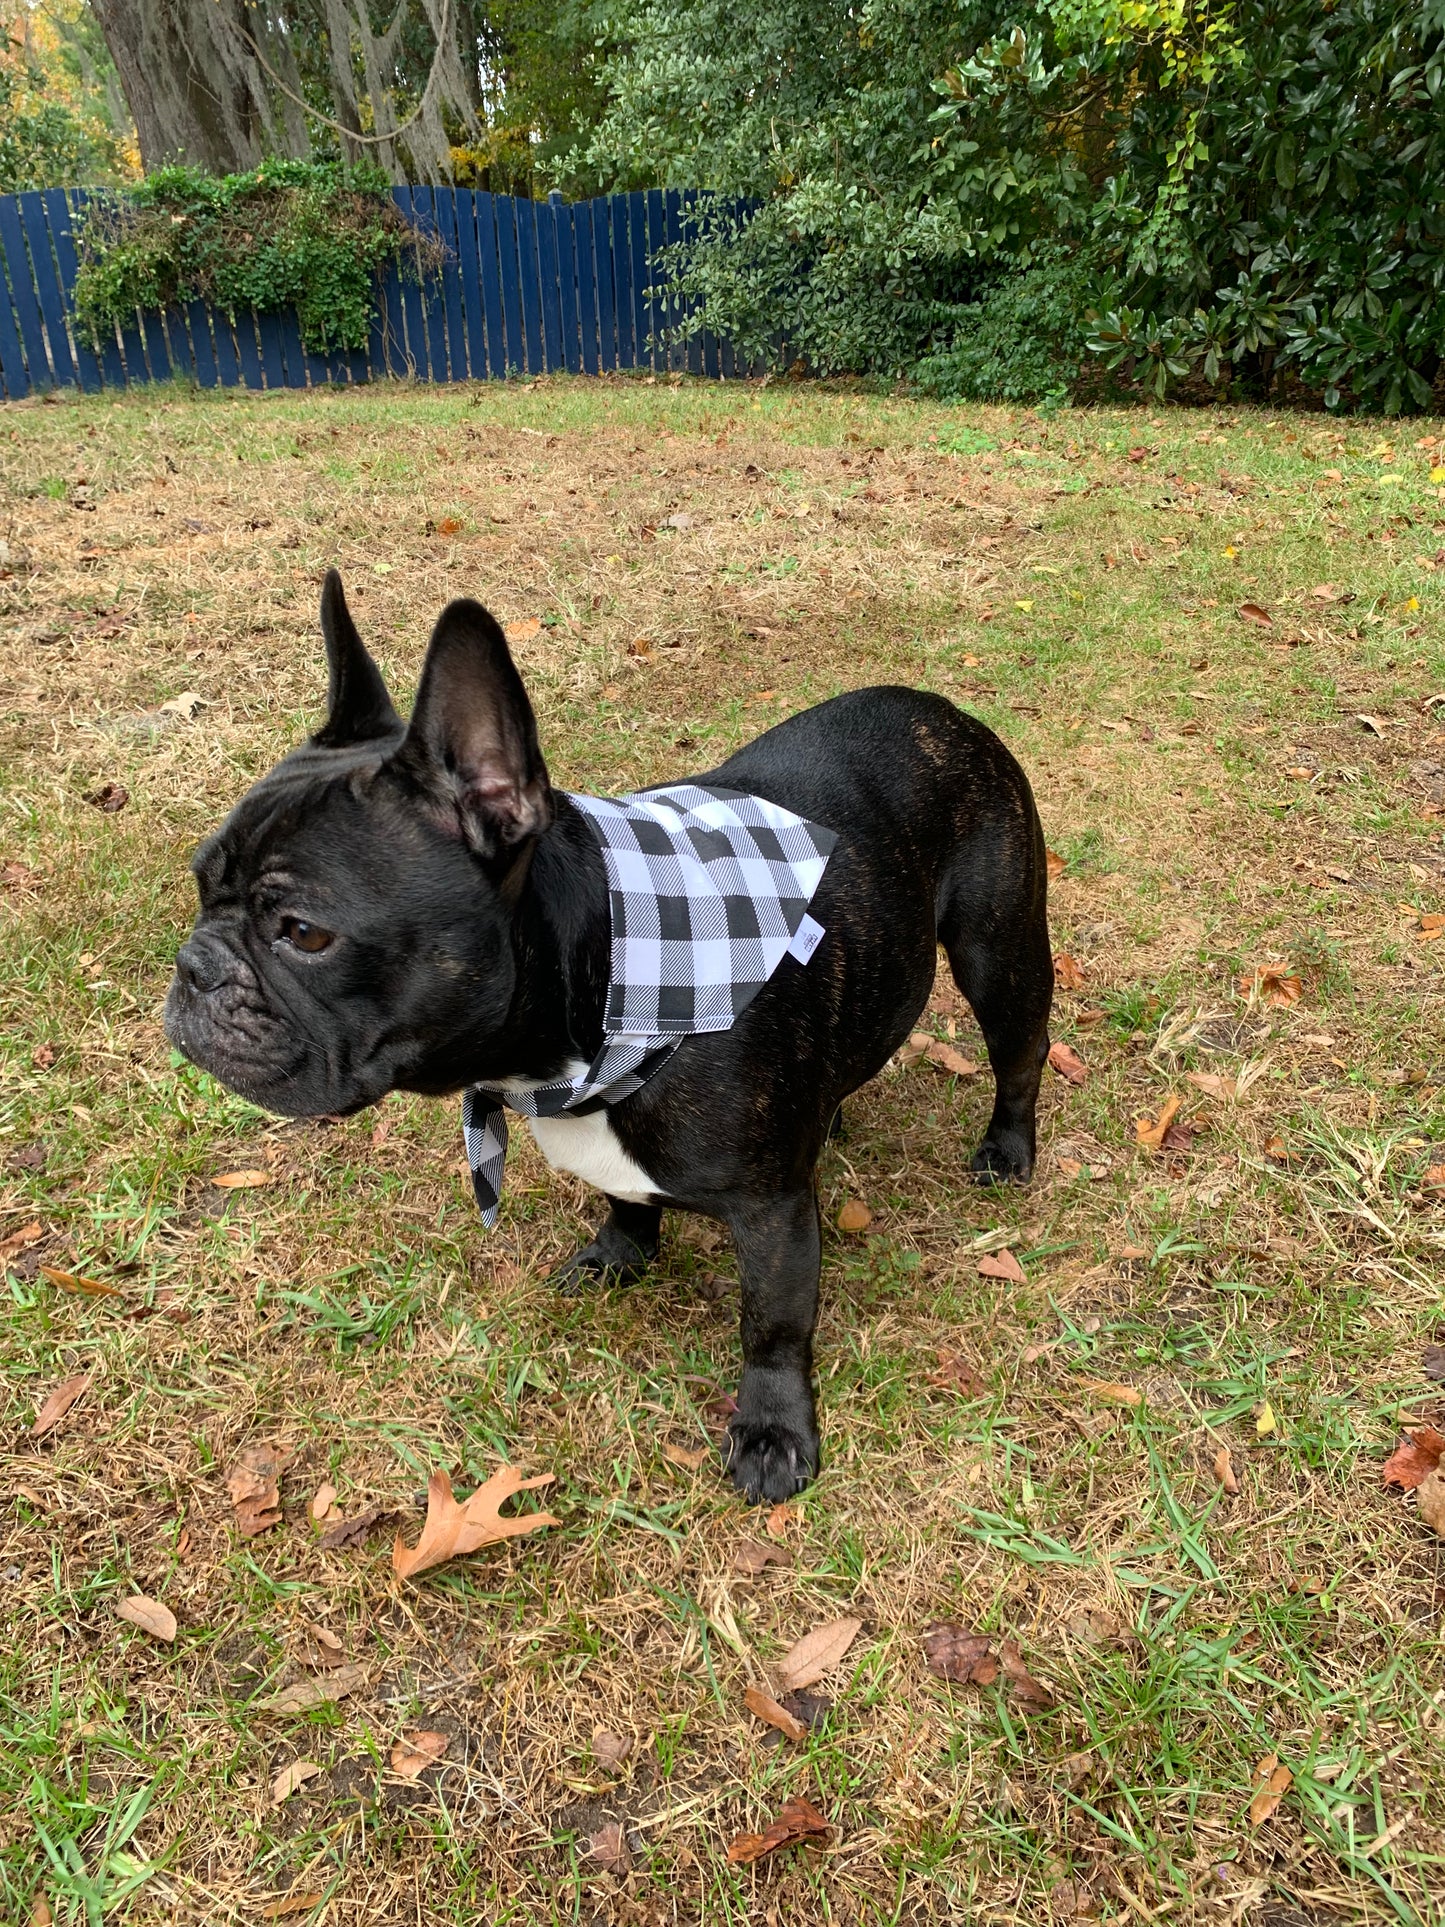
527	287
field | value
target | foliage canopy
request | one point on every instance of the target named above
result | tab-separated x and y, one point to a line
1208	189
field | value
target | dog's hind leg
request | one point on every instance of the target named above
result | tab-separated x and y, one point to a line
625	1246
993	924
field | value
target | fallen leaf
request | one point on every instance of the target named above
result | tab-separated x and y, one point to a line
185	705
1028	1693
449	525
292	1904
1138	455
291	1777
254	1483
966	1658
1277	1150
1179	1136
1265	1421
323	1649
950	1060
1224	1469
350	1532
322	1500
109	798
1094	1626
689	1456
1413	1462
524	629
58	1404
1151	1132
149	1614
915	1050
40	1914
1002	1264
1430	1500
307	1694
1269	986
855	1216
17	1241
779	1519
1211	1082
1432	1361
1128	1253
816	1653
1068	971
75	1281
415	1752
43	1056
1273	1782
1110	1392
798	1821
1370	724
608	1847
1324	592
609	1749
1252	612
753	1557
767	1708
454	1527
956	1374
1067	1062
243	1180
1055	863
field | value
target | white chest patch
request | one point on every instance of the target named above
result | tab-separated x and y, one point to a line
588	1147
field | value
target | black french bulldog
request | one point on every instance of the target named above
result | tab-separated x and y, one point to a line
413	907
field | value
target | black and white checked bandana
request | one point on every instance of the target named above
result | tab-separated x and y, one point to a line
708	891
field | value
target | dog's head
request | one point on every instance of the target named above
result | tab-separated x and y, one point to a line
357	904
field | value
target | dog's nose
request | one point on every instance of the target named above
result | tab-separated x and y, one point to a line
197	969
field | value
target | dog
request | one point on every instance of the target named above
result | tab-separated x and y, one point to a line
413	906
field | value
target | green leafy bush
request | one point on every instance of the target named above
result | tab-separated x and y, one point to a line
1253	191
302	234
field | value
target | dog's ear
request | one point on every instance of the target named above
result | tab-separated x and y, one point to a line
471	745
358	707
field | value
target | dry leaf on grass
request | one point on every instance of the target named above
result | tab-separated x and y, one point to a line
816	1653
307	1694
1002	1264
1267	985
1413	1462
322	1649
956	1374
291	1777
1432	1361
292	1904
243	1180
855	1216
1211	1083
690	1457
254	1483
415	1752
1273	1782
149	1614
523	629
767	1708
950	1060
1110	1392
753	1557
1068	1063
1068	971
350	1532
58	1404
322	1500
1430	1500
969	1659
16	1242
1056	864
798	1822
779	1519
609	1749
454	1527
1152	1131
1253	612
608	1848
77	1282
1224	1469
1265	1421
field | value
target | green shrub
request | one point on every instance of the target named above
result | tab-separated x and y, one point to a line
302	234
1022	340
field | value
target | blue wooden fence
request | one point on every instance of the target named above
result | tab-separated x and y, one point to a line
528	287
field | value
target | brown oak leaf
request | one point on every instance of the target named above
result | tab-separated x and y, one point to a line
454	1527
798	1821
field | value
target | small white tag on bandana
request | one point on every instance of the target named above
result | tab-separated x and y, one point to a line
708	891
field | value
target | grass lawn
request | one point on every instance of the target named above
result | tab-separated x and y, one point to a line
1215	643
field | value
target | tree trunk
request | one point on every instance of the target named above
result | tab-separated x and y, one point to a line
194	89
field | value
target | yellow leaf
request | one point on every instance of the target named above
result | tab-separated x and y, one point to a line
1264	1419
1230	551
1025	603
1437	475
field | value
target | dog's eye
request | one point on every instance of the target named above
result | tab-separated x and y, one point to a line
301	935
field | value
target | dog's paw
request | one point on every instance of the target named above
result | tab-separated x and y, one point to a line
610	1259
768	1461
1002	1160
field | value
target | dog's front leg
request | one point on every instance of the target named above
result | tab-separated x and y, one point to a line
771	1450
620	1253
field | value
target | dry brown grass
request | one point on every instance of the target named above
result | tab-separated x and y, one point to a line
353	1310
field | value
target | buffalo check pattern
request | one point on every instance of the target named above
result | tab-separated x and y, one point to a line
708	890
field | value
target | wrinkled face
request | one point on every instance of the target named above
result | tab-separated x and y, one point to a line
342	947
355	929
